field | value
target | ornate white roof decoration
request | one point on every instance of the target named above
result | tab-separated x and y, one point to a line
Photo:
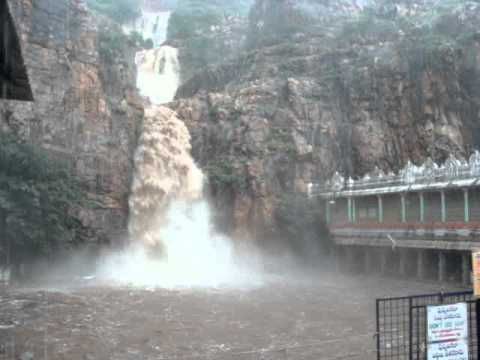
378	173
453	172
350	182
452	166
338	182
474	163
429	167
409	172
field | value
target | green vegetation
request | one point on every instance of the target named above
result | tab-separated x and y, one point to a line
191	17
280	140
195	21
38	196
299	220
222	174
136	39
120	11
112	43
423	37
445	24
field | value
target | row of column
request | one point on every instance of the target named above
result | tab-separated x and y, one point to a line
352	216
370	259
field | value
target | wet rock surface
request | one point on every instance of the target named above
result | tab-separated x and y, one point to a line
303	102
86	110
319	316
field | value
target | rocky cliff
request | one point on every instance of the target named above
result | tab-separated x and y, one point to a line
331	86
86	108
207	32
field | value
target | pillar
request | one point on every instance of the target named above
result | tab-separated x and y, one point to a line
422	207
380	209
403	262
328	216
421	264
4	258
442	266
349	205
338	259
444	206
366	260
351	259
466	206
404	209
383	261
347	256
354	211
466	269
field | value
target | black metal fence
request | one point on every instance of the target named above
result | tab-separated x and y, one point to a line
401	324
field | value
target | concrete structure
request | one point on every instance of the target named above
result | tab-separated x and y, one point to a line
423	221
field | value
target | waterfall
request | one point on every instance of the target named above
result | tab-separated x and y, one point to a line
152	25
158	73
173	241
164	173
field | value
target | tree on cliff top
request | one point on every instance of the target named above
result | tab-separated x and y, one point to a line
120	11
191	17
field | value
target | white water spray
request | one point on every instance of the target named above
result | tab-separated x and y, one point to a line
173	241
152	25
158	74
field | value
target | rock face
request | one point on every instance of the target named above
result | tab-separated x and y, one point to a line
207	33
86	107
297	107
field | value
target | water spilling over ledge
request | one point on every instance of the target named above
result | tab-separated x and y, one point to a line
158	73
173	242
164	172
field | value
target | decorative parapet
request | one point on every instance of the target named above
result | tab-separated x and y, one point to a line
455	172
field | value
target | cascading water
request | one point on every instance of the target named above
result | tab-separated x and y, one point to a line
173	242
164	172
158	73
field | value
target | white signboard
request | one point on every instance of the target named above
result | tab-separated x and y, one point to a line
451	350
447	332
448	322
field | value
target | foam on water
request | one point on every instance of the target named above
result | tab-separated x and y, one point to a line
194	256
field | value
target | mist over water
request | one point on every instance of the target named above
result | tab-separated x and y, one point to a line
195	256
172	239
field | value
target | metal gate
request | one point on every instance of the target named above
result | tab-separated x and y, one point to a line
401	324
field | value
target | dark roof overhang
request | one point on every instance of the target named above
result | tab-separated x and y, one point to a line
14	83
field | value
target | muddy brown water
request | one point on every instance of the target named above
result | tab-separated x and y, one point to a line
319	316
